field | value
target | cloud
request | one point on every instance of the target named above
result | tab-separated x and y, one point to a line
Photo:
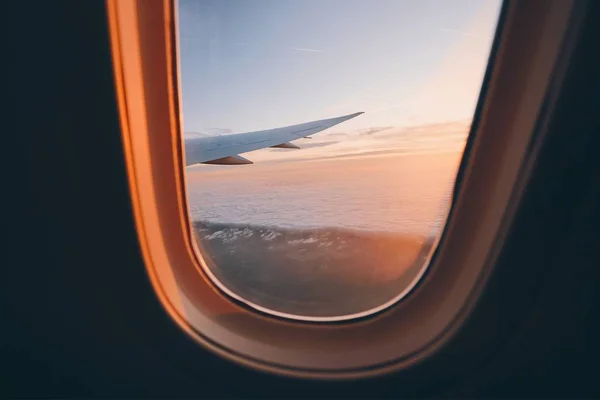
372	131
306	50
208	132
194	134
218	131
309	146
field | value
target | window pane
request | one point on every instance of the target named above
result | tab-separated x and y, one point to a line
345	222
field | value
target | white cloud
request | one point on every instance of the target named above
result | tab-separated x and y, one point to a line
306	49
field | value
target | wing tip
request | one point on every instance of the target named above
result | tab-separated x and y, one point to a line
353	115
356	114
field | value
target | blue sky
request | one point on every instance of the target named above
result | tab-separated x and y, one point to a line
258	64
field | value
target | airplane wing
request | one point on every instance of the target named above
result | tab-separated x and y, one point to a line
226	149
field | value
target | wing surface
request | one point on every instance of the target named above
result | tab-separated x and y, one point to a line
226	149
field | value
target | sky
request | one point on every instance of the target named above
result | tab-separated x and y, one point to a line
251	65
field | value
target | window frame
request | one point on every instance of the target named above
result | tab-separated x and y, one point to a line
524	72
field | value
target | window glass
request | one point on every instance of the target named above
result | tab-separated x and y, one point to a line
332	218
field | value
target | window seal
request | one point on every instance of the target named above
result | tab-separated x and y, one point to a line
500	149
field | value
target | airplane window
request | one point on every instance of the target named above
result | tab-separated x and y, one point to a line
322	141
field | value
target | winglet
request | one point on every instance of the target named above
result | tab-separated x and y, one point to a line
349	116
335	121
